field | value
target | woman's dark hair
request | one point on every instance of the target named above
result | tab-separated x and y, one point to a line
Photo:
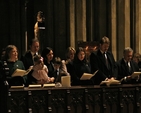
77	52
45	52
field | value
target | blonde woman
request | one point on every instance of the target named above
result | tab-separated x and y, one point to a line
70	53
137	59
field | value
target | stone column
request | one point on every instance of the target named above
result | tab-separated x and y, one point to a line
90	19
123	26
127	23
84	20
113	28
72	23
138	26
80	20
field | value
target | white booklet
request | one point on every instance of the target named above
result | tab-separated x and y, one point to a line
87	76
110	82
34	85
48	85
17	87
135	74
20	72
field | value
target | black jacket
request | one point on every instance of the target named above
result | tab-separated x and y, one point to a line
122	69
76	70
97	62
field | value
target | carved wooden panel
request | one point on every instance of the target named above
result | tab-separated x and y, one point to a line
17	102
93	101
76	101
99	99
110	99
127	100
37	101
57	101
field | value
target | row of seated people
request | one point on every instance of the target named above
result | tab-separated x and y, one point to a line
47	70
44	68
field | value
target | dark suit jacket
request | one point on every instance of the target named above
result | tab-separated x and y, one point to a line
58	77
50	68
76	70
27	60
122	69
97	62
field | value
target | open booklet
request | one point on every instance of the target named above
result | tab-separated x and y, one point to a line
87	76
135	74
110	82
20	72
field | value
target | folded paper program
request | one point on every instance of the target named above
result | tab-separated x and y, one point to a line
135	74
20	72
48	85
110	82
88	76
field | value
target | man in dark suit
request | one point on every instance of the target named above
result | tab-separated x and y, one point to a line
126	66
27	59
103	61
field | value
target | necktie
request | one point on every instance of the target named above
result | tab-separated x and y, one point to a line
129	67
35	54
57	72
106	60
58	78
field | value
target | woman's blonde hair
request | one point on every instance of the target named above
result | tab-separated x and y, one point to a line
138	56
68	50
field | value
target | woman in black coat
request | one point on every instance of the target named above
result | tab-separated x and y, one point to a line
79	66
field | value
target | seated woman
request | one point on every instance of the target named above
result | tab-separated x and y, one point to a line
79	66
70	53
12	63
48	55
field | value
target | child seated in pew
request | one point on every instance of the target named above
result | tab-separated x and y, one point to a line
60	69
40	71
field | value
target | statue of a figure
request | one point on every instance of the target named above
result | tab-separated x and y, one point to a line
39	28
40	24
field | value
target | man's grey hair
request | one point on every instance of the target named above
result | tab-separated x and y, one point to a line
127	49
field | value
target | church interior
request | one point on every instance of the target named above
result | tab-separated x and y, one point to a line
72	23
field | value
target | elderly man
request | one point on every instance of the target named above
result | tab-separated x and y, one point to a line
126	66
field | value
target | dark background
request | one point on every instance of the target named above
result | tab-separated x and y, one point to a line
19	16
